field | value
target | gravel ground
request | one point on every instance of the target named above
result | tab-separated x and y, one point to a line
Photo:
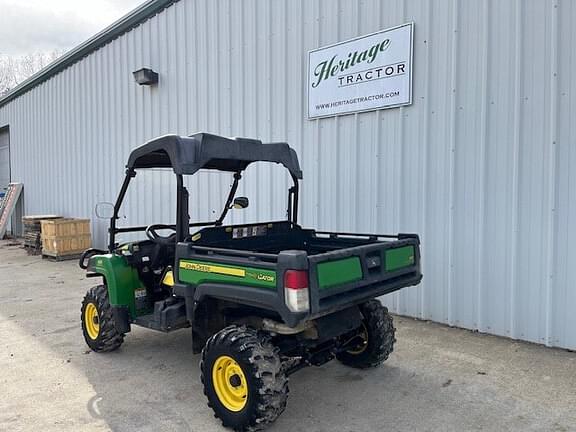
438	379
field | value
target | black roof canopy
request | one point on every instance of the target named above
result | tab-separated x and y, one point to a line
187	155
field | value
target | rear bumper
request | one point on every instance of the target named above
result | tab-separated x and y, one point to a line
358	295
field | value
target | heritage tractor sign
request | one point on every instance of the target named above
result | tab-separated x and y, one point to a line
367	73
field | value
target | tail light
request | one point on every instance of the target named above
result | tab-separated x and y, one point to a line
296	291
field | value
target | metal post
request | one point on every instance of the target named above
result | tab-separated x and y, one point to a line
112	230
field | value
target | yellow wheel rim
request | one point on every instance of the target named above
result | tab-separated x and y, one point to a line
91	321
230	383
363	345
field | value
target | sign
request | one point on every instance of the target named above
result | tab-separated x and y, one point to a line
367	73
7	206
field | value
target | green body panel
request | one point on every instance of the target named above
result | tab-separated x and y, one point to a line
197	272
339	272
398	258
121	279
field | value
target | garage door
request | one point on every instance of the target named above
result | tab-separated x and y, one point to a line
4	160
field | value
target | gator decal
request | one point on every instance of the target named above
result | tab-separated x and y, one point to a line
196	272
207	268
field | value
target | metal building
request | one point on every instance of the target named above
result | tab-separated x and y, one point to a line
481	164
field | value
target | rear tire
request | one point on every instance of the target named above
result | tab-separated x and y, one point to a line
243	378
98	327
377	332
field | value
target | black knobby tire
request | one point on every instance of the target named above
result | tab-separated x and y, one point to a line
266	381
379	344
108	338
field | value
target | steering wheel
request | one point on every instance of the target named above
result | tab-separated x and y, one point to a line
157	238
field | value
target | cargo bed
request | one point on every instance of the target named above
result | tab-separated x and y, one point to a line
343	268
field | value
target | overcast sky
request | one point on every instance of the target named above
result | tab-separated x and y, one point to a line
30	26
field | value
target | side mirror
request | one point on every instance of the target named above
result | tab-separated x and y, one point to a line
240	203
104	210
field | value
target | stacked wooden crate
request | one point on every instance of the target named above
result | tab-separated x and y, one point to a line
65	238
32	232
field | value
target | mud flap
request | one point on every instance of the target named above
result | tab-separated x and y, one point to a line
121	316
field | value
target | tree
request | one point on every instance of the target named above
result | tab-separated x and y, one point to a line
15	69
8	71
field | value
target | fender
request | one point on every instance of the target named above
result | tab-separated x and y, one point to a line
241	294
121	279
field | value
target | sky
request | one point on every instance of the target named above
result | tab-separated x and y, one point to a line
33	26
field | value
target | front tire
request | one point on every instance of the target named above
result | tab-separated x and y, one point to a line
98	327
243	378
377	334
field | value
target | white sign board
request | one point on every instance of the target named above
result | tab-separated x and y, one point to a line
367	73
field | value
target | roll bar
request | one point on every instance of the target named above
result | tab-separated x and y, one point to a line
183	224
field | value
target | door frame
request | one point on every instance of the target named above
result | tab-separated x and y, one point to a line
6	129
15	225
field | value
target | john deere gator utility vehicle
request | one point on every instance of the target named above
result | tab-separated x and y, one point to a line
262	300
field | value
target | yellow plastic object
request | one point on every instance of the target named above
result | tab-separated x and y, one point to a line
91	321
168	278
230	383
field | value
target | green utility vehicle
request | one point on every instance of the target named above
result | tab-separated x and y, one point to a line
263	300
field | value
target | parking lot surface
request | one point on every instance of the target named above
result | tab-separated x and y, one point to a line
438	378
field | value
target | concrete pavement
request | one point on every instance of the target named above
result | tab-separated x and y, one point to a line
438	378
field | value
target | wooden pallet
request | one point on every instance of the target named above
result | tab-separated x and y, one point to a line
32	232
58	258
33	250
32	239
38	218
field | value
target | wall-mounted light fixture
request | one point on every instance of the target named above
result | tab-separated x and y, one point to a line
145	76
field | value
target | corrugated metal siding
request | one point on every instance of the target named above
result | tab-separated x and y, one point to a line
481	165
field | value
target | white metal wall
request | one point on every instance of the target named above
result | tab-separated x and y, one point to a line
481	165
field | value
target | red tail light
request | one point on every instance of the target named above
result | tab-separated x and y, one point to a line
296	279
296	290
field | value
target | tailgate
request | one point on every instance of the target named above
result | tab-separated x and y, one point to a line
355	274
